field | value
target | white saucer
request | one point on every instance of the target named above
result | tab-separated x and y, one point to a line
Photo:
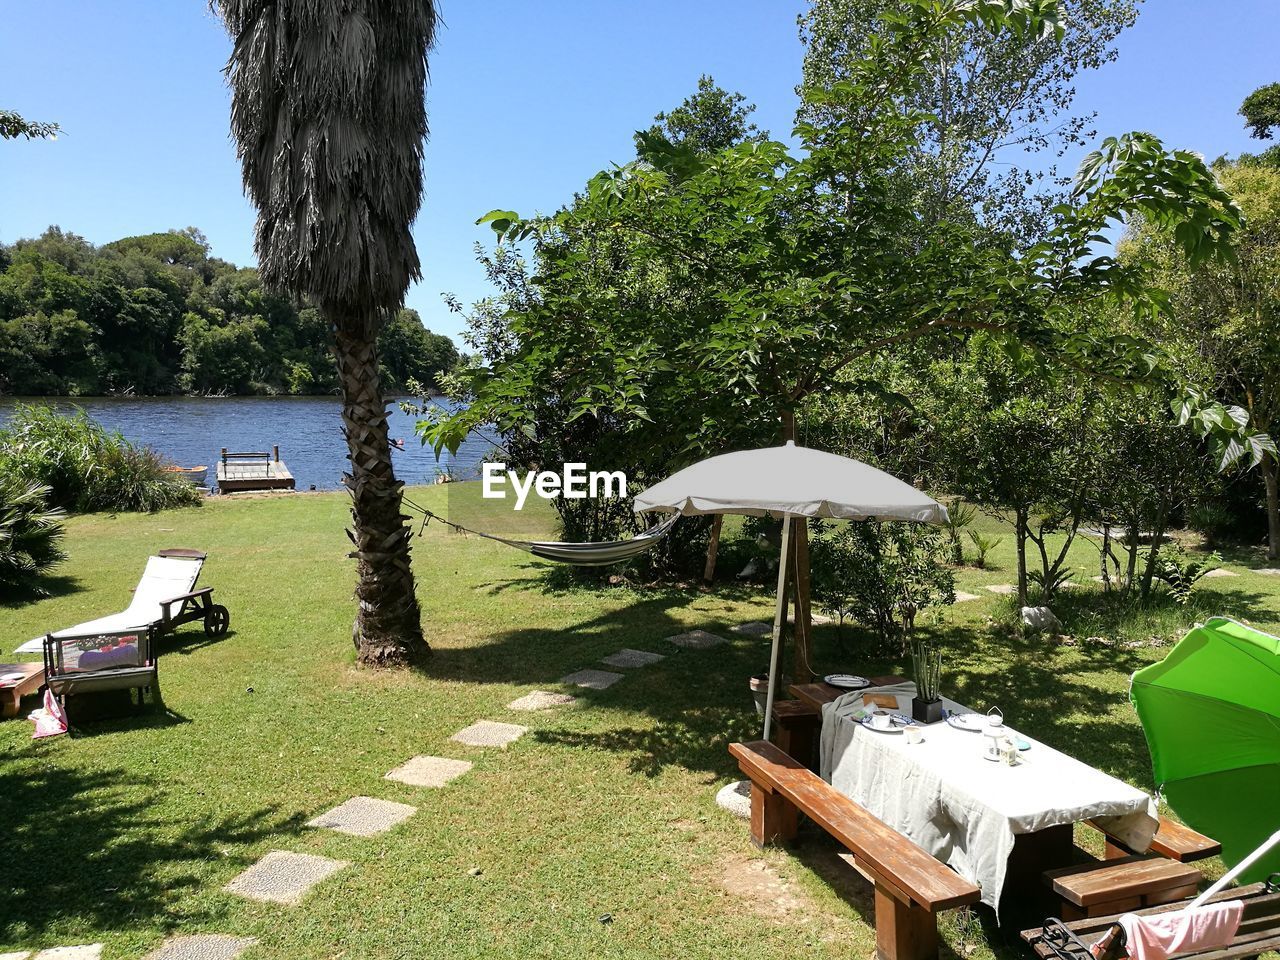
846	681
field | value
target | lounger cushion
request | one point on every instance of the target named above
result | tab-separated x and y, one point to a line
163	579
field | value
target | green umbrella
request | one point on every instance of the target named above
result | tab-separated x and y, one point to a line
1211	712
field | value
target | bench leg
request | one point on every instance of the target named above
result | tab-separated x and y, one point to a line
773	817
904	931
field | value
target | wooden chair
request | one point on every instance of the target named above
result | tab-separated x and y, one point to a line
911	886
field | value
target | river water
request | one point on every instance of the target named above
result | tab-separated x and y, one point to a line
192	430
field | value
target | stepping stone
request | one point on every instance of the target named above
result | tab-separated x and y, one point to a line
1221	572
425	771
627	657
592	679
757	628
962	597
489	733
16	955
201	946
283	877
696	640
364	816
1004	589
89	951
541	700
820	619
736	798
1265	571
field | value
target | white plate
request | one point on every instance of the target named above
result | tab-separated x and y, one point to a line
898	723
972	722
11	677
846	681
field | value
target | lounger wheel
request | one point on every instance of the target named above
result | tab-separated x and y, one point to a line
217	620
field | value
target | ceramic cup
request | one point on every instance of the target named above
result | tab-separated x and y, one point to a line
912	734
881	721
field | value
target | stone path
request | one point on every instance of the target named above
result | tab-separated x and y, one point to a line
202	946
627	658
592	679
962	597
1268	571
88	951
283	877
697	640
490	733
364	816
757	628
1221	572
541	700
1004	589
422	771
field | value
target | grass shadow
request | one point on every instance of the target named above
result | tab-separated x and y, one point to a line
53	586
88	847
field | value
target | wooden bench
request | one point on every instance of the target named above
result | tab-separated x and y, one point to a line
1259	931
1173	840
911	886
1116	886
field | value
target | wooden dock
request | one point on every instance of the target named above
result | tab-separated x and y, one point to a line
240	472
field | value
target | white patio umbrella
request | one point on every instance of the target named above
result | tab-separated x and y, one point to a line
788	482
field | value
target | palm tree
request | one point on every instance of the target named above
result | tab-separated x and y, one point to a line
329	116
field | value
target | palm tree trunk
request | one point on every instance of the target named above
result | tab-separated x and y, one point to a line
388	626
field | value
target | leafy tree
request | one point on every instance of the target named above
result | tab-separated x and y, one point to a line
984	99
13	126
1223	327
341	86
1261	111
409	351
710	120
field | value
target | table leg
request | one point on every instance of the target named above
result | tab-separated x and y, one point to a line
1033	854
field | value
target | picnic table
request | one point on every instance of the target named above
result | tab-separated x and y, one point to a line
996	825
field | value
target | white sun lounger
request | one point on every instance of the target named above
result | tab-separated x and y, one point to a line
164	599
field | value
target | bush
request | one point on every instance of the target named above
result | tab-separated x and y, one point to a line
30	537
1181	572
86	467
881	574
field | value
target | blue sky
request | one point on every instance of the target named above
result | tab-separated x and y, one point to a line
526	102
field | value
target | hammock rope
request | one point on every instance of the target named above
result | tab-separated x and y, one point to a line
577	554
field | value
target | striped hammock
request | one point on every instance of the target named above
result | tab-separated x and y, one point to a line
579	554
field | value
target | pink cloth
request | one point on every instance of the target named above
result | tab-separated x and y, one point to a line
1159	936
50	720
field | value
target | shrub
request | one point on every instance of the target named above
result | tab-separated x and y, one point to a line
984	545
882	574
1180	572
85	466
30	537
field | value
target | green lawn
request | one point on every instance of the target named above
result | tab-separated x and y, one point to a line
127	833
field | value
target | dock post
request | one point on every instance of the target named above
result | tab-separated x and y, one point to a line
224	454
275	452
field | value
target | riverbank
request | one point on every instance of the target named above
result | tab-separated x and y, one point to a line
128	833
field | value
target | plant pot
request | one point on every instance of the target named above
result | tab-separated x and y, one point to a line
927	711
760	691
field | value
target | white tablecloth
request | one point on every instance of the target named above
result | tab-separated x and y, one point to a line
962	808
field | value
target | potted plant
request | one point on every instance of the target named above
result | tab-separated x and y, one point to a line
926	705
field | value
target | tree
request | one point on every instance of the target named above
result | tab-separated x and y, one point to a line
772	275
708	121
985	99
13	126
1261	111
409	351
329	116
1223	325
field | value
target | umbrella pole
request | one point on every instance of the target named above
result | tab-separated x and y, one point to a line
779	619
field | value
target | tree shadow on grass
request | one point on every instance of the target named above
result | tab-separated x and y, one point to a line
53	585
89	848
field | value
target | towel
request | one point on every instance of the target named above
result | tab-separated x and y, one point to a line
1159	936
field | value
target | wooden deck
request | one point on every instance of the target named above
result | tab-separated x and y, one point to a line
242	472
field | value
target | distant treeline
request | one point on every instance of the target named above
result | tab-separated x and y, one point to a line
157	314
